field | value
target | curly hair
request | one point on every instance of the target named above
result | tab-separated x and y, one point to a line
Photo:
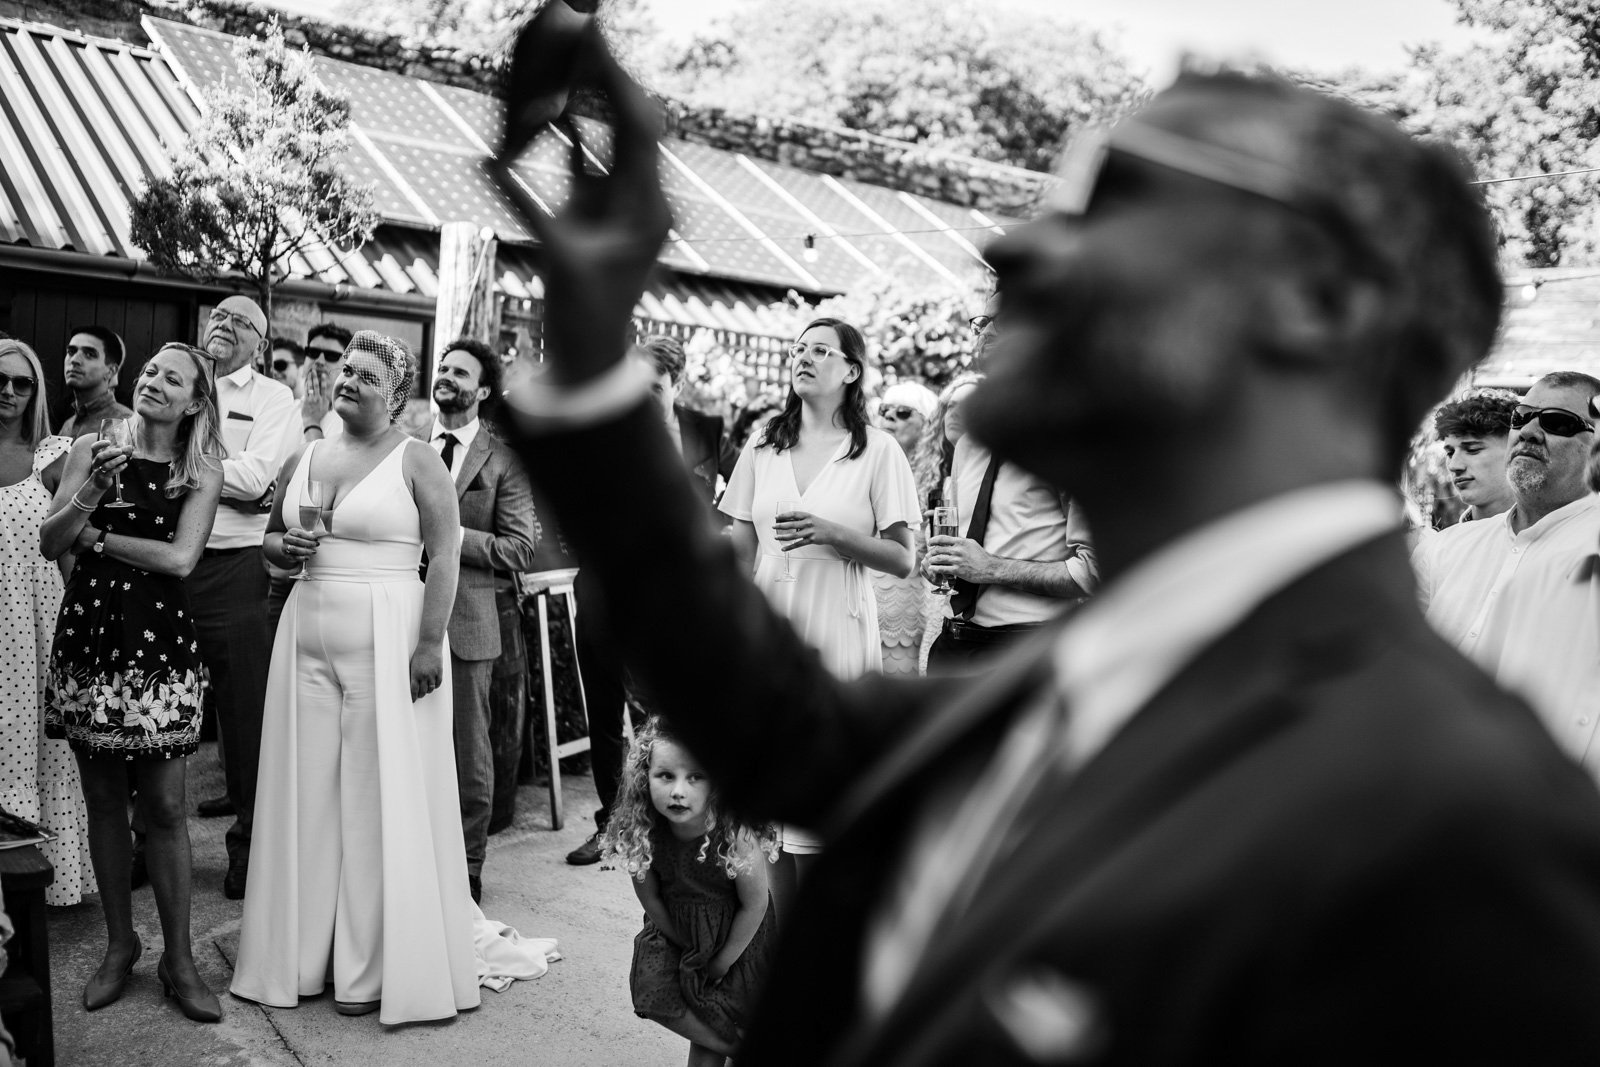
633	817
1485	413
930	463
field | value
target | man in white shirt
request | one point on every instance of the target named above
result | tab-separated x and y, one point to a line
228	588
1244	807
498	538
1517	592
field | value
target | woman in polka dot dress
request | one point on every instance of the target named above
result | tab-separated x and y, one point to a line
38	777
125	680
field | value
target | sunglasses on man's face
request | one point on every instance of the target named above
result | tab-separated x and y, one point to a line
330	355
895	411
280	365
1558	422
21	384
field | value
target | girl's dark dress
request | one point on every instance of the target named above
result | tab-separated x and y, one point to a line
125	675
701	900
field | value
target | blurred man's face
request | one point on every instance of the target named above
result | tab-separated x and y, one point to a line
1477	468
662	388
1547	467
285	367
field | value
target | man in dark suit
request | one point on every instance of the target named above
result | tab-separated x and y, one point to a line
498	537
1244	808
699	440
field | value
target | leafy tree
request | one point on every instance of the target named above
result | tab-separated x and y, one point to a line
487	26
258	179
1002	85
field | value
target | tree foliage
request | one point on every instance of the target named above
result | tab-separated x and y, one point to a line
258	179
958	75
1524	101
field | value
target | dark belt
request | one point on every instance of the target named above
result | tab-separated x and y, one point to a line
972	633
214	553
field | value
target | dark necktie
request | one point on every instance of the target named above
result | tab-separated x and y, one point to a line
965	599
449	453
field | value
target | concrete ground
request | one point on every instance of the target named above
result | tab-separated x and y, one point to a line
577	1015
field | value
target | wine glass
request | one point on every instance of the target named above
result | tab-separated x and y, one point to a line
946	523
119	433
314	510
785	507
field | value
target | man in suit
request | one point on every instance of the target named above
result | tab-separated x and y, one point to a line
1244	807
498	536
699	442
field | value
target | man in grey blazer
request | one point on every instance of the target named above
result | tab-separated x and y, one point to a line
498	536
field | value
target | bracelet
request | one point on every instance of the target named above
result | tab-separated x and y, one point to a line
80	505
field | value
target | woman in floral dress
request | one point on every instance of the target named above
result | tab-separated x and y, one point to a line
38	775
125	680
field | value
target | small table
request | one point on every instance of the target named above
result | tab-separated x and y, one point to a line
25	985
541	586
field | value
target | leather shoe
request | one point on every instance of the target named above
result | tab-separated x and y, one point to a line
586	853
97	994
138	869
475	887
356	1007
233	882
203	1007
214	807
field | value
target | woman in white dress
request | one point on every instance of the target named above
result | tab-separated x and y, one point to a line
358	868
38	775
851	508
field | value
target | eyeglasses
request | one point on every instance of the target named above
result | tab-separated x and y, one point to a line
240	322
329	355
818	352
1083	167
21	384
897	411
979	323
1557	421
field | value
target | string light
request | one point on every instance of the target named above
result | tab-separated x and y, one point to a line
810	253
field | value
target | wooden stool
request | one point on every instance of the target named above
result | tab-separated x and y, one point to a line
25	986
541	586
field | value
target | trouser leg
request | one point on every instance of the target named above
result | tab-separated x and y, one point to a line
469	680
600	670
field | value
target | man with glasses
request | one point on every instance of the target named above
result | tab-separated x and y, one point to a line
325	346
1022	555
1244	807
94	358
228	588
1517	592
284	362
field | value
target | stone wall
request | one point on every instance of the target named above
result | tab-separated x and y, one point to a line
809	146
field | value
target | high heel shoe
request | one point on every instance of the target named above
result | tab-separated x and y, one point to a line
97	994
202	1009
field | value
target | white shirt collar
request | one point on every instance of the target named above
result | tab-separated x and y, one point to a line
464	436
1126	645
1546	524
239	378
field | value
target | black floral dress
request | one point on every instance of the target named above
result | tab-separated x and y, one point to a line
125	676
701	900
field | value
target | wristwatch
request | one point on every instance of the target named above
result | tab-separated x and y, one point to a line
100	544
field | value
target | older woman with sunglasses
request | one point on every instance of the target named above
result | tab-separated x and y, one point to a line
125	682
903	412
38	777
818	499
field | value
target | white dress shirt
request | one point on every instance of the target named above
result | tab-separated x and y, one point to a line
260	426
1526	608
464	438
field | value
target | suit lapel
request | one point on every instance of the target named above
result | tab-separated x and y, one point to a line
477	456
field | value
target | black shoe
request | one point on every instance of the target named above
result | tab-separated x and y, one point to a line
138	869
586	853
475	887
214	808
233	881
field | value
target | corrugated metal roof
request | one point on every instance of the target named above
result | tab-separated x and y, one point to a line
85	122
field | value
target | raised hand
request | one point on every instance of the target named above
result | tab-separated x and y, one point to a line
600	248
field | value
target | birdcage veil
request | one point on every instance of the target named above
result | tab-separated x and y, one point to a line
396	369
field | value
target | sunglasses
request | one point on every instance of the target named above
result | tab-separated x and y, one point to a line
1089	165
330	355
1558	422
280	364
897	411
21	384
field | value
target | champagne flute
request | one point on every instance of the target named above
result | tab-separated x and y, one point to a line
946	523
785	507
314	510
119	433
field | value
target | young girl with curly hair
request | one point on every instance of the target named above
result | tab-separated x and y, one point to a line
702	878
